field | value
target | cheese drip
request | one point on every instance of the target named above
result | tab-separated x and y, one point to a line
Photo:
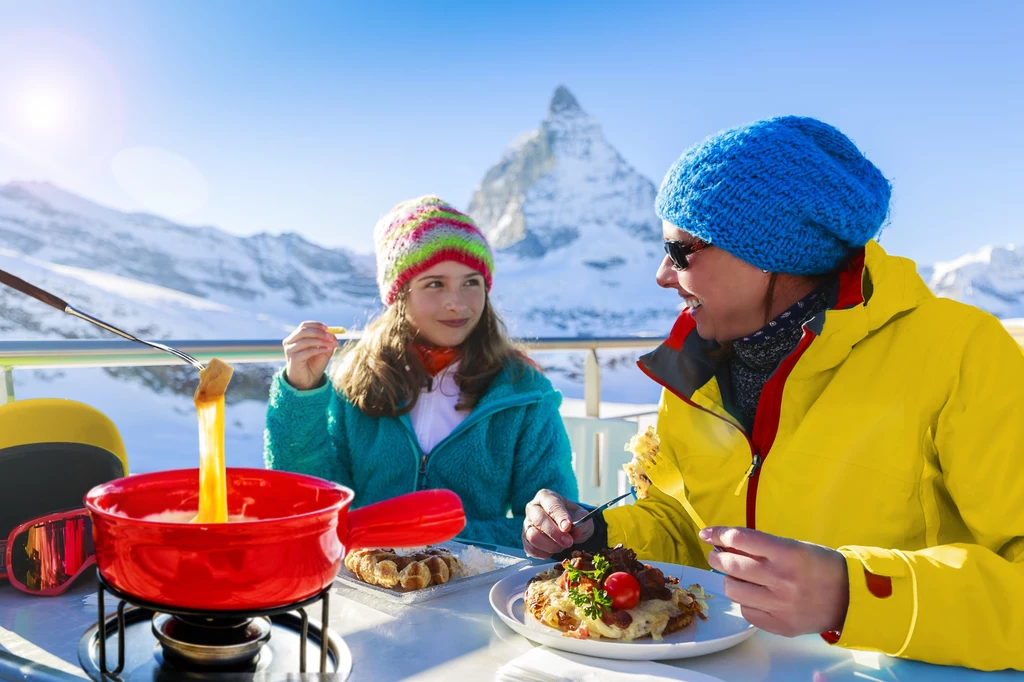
209	400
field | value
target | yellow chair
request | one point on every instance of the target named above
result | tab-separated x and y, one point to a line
53	451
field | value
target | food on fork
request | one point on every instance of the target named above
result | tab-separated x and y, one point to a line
612	595
400	571
336	330
213	381
644	446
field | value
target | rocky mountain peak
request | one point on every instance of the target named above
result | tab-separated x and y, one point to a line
563	181
563	103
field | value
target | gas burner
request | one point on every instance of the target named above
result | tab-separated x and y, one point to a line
209	642
162	644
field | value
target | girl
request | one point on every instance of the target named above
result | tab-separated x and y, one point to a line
433	395
853	440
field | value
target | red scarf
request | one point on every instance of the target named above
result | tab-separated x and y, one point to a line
436	358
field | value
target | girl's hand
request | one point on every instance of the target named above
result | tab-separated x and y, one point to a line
783	586
548	528
307	350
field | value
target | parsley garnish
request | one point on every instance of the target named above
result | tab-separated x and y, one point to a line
600	568
596	601
594	604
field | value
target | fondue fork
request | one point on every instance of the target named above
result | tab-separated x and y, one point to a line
61	305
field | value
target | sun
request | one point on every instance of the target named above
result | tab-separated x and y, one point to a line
43	109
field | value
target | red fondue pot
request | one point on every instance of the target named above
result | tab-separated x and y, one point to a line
289	547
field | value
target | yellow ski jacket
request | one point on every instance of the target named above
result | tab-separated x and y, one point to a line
893	433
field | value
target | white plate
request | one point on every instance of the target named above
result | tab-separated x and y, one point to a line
502	564
724	628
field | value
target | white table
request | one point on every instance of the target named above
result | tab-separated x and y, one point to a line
456	638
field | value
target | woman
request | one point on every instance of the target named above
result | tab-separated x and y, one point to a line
853	440
433	395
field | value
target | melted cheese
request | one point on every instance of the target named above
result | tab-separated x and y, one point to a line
209	400
649	617
550	604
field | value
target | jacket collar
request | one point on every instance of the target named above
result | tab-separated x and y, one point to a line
874	288
876	291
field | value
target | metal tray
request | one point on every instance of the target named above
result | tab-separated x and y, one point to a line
503	564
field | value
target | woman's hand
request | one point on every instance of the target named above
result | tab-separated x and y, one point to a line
548	528
784	586
307	350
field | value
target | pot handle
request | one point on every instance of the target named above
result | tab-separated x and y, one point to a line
422	518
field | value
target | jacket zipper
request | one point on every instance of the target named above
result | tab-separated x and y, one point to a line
425	458
416	453
755	463
423	470
757	455
770	420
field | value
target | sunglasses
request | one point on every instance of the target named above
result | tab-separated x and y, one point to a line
47	554
679	252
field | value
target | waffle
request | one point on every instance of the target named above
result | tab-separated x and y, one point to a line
406	572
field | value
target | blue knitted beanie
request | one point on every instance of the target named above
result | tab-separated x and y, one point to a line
788	194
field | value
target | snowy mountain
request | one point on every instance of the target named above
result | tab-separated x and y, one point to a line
577	245
262	275
587	222
561	183
991	278
562	206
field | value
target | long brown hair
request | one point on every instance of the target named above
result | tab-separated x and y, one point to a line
383	376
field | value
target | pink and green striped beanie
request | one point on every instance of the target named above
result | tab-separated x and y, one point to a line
420	233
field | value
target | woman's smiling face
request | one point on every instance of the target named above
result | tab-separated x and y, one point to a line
725	295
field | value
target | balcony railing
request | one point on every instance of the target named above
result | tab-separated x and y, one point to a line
51	354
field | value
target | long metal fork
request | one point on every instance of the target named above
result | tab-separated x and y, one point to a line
62	305
153	344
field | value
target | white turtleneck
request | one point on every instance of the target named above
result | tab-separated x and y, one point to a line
434	417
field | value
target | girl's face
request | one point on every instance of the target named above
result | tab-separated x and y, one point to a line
445	303
725	294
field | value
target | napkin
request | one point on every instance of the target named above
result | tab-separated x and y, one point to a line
542	664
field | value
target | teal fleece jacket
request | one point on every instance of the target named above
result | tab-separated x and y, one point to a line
510	446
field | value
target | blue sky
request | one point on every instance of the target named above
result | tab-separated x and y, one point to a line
317	117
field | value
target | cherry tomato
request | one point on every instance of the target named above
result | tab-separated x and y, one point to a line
623	589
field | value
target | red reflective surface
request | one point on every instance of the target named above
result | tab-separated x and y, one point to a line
288	547
46	555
